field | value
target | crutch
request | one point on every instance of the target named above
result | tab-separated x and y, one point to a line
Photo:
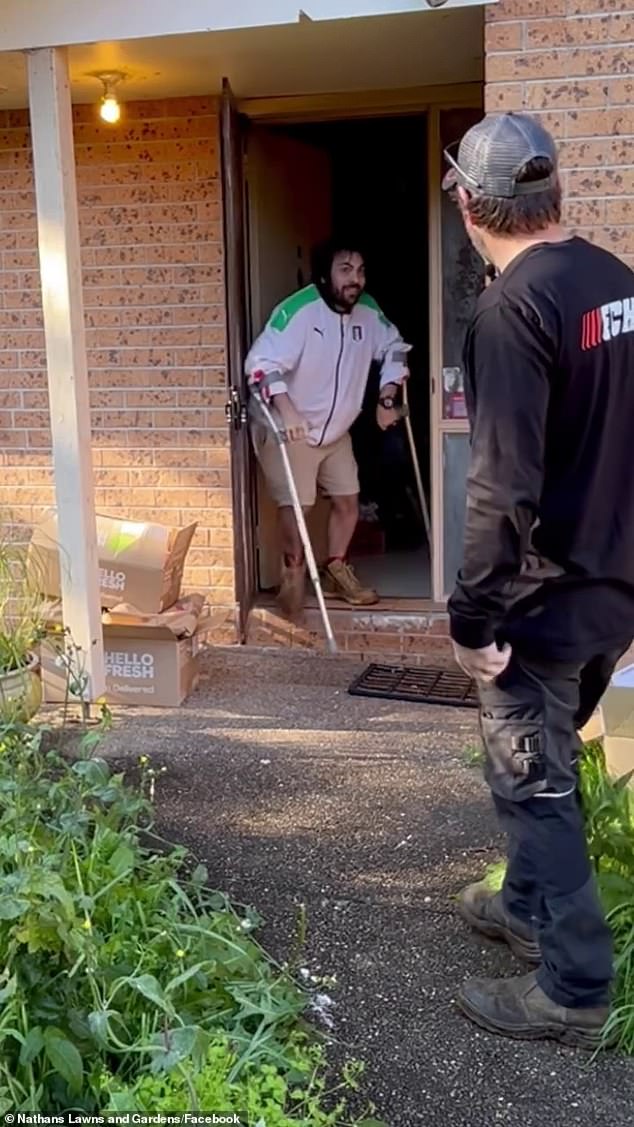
412	448
257	384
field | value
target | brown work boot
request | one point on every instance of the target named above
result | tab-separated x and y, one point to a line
292	591
340	582
484	910
518	1007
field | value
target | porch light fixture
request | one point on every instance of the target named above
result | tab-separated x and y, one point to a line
109	108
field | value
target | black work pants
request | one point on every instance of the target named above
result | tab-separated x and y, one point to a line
529	718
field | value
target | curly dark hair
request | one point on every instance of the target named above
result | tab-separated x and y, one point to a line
324	254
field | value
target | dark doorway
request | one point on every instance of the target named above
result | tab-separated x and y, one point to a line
374	172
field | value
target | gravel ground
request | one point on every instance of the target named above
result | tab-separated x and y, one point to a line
366	811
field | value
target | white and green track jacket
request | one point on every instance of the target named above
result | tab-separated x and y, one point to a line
323	359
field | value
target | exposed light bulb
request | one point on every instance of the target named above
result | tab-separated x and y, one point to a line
109	106
110	110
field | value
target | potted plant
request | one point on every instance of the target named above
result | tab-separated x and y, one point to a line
21	628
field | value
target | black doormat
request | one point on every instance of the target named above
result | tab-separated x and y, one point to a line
422	685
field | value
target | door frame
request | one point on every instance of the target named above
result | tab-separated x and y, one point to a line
300	109
236	298
440	426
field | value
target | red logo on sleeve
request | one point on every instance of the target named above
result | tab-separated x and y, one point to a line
607	322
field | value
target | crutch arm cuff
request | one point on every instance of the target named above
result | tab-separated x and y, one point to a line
267	384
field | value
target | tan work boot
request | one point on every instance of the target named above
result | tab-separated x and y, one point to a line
484	910
340	582
518	1007
291	594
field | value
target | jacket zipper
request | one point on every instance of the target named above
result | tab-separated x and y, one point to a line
334	397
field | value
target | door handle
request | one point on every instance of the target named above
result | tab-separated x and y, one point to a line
235	410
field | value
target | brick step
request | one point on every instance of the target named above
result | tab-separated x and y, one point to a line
395	637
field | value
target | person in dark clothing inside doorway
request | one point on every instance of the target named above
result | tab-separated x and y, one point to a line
543	607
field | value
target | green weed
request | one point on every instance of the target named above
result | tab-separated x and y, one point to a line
117	973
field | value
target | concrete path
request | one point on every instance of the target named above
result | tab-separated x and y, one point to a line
292	791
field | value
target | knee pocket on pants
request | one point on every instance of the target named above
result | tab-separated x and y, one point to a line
516	765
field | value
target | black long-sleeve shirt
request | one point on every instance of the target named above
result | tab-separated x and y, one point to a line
549	381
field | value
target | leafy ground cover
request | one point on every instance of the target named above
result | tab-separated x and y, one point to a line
127	985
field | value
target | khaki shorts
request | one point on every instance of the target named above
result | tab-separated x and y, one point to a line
332	468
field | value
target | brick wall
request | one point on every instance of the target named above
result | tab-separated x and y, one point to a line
571	62
150	216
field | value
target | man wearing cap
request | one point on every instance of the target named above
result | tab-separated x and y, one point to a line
543	607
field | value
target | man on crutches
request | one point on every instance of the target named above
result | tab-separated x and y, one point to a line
313	360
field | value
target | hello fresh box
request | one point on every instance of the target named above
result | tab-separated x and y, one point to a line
150	660
140	564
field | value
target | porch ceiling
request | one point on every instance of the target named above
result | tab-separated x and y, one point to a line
415	49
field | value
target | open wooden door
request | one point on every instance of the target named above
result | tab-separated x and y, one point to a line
236	411
290	210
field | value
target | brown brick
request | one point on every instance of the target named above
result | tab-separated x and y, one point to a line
502	96
533	65
619	211
584	213
40	475
565	95
590	153
622	27
28	419
10	399
620	240
599	62
35	400
13	379
554	122
593	7
504	36
524	9
608	182
602	123
568	32
621	91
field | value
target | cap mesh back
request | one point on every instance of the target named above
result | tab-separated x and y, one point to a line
496	150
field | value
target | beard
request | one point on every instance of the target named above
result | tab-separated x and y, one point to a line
347	297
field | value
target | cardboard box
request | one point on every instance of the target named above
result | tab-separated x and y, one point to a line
617	713
140	564
593	730
152	664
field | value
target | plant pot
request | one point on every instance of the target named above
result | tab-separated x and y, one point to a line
21	692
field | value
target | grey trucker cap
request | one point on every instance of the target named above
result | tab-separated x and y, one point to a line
493	153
